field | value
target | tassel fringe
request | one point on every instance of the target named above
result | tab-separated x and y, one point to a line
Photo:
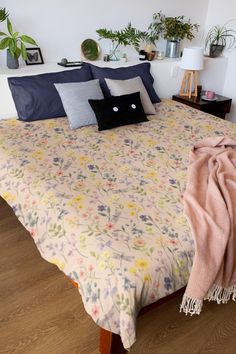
216	293
191	306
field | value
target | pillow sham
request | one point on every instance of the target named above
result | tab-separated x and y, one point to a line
75	97
36	97
121	87
115	111
124	73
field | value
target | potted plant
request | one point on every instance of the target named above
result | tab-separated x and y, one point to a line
218	38
3	14
127	36
15	45
173	29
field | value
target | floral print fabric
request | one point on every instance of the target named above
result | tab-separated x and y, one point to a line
105	207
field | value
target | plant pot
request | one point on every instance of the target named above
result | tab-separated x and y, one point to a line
216	50
12	62
173	48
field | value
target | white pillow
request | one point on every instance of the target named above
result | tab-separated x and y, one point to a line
123	87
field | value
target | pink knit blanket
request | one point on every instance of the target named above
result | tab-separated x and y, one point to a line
210	207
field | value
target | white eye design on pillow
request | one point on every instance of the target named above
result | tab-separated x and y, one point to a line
133	106
115	109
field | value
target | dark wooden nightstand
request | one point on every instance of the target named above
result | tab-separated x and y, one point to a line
218	108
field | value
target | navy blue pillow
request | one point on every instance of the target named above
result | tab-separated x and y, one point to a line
125	73
114	111
36	97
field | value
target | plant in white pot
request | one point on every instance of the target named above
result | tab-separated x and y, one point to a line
219	38
15	45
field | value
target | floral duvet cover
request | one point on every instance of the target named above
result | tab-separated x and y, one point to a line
105	207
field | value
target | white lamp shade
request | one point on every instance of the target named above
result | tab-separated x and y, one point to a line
192	58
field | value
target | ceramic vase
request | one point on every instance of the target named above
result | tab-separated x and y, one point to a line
12	62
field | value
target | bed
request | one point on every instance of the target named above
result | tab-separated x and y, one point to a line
105	207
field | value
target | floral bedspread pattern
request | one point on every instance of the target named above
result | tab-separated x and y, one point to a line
105	207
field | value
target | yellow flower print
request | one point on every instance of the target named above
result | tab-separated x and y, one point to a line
76	202
161	241
151	142
171	122
141	264
38	154
52	124
147	278
9	197
61	265
181	220
102	265
49	198
105	255
133	270
131	205
11	122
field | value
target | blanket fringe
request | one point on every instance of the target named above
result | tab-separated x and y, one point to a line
221	295
191	306
216	293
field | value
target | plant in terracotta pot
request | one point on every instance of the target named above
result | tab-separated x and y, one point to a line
173	29
127	36
15	45
219	38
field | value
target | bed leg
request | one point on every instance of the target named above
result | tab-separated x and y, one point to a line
110	343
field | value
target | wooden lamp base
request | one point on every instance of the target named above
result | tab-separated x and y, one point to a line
190	80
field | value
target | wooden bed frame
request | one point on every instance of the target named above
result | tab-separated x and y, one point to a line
110	343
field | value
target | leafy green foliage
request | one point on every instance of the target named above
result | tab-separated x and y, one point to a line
171	27
3	14
221	35
127	36
15	42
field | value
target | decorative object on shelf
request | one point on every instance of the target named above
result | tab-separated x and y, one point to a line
3	15
142	55
199	90
34	56
160	55
151	55
191	62
90	49
173	29
64	62
127	36
219	38
15	45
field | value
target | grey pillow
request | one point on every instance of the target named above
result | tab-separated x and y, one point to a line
75	96
123	87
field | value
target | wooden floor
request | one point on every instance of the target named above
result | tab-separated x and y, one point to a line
42	313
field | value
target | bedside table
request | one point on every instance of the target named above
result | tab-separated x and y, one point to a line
218	108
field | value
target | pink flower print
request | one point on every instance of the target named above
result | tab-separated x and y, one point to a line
81	274
95	311
110	225
91	268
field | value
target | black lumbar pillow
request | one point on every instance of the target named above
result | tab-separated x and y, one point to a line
115	111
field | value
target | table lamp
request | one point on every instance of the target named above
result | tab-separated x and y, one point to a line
191	62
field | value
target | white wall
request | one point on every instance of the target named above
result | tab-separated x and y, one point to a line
218	13
59	26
